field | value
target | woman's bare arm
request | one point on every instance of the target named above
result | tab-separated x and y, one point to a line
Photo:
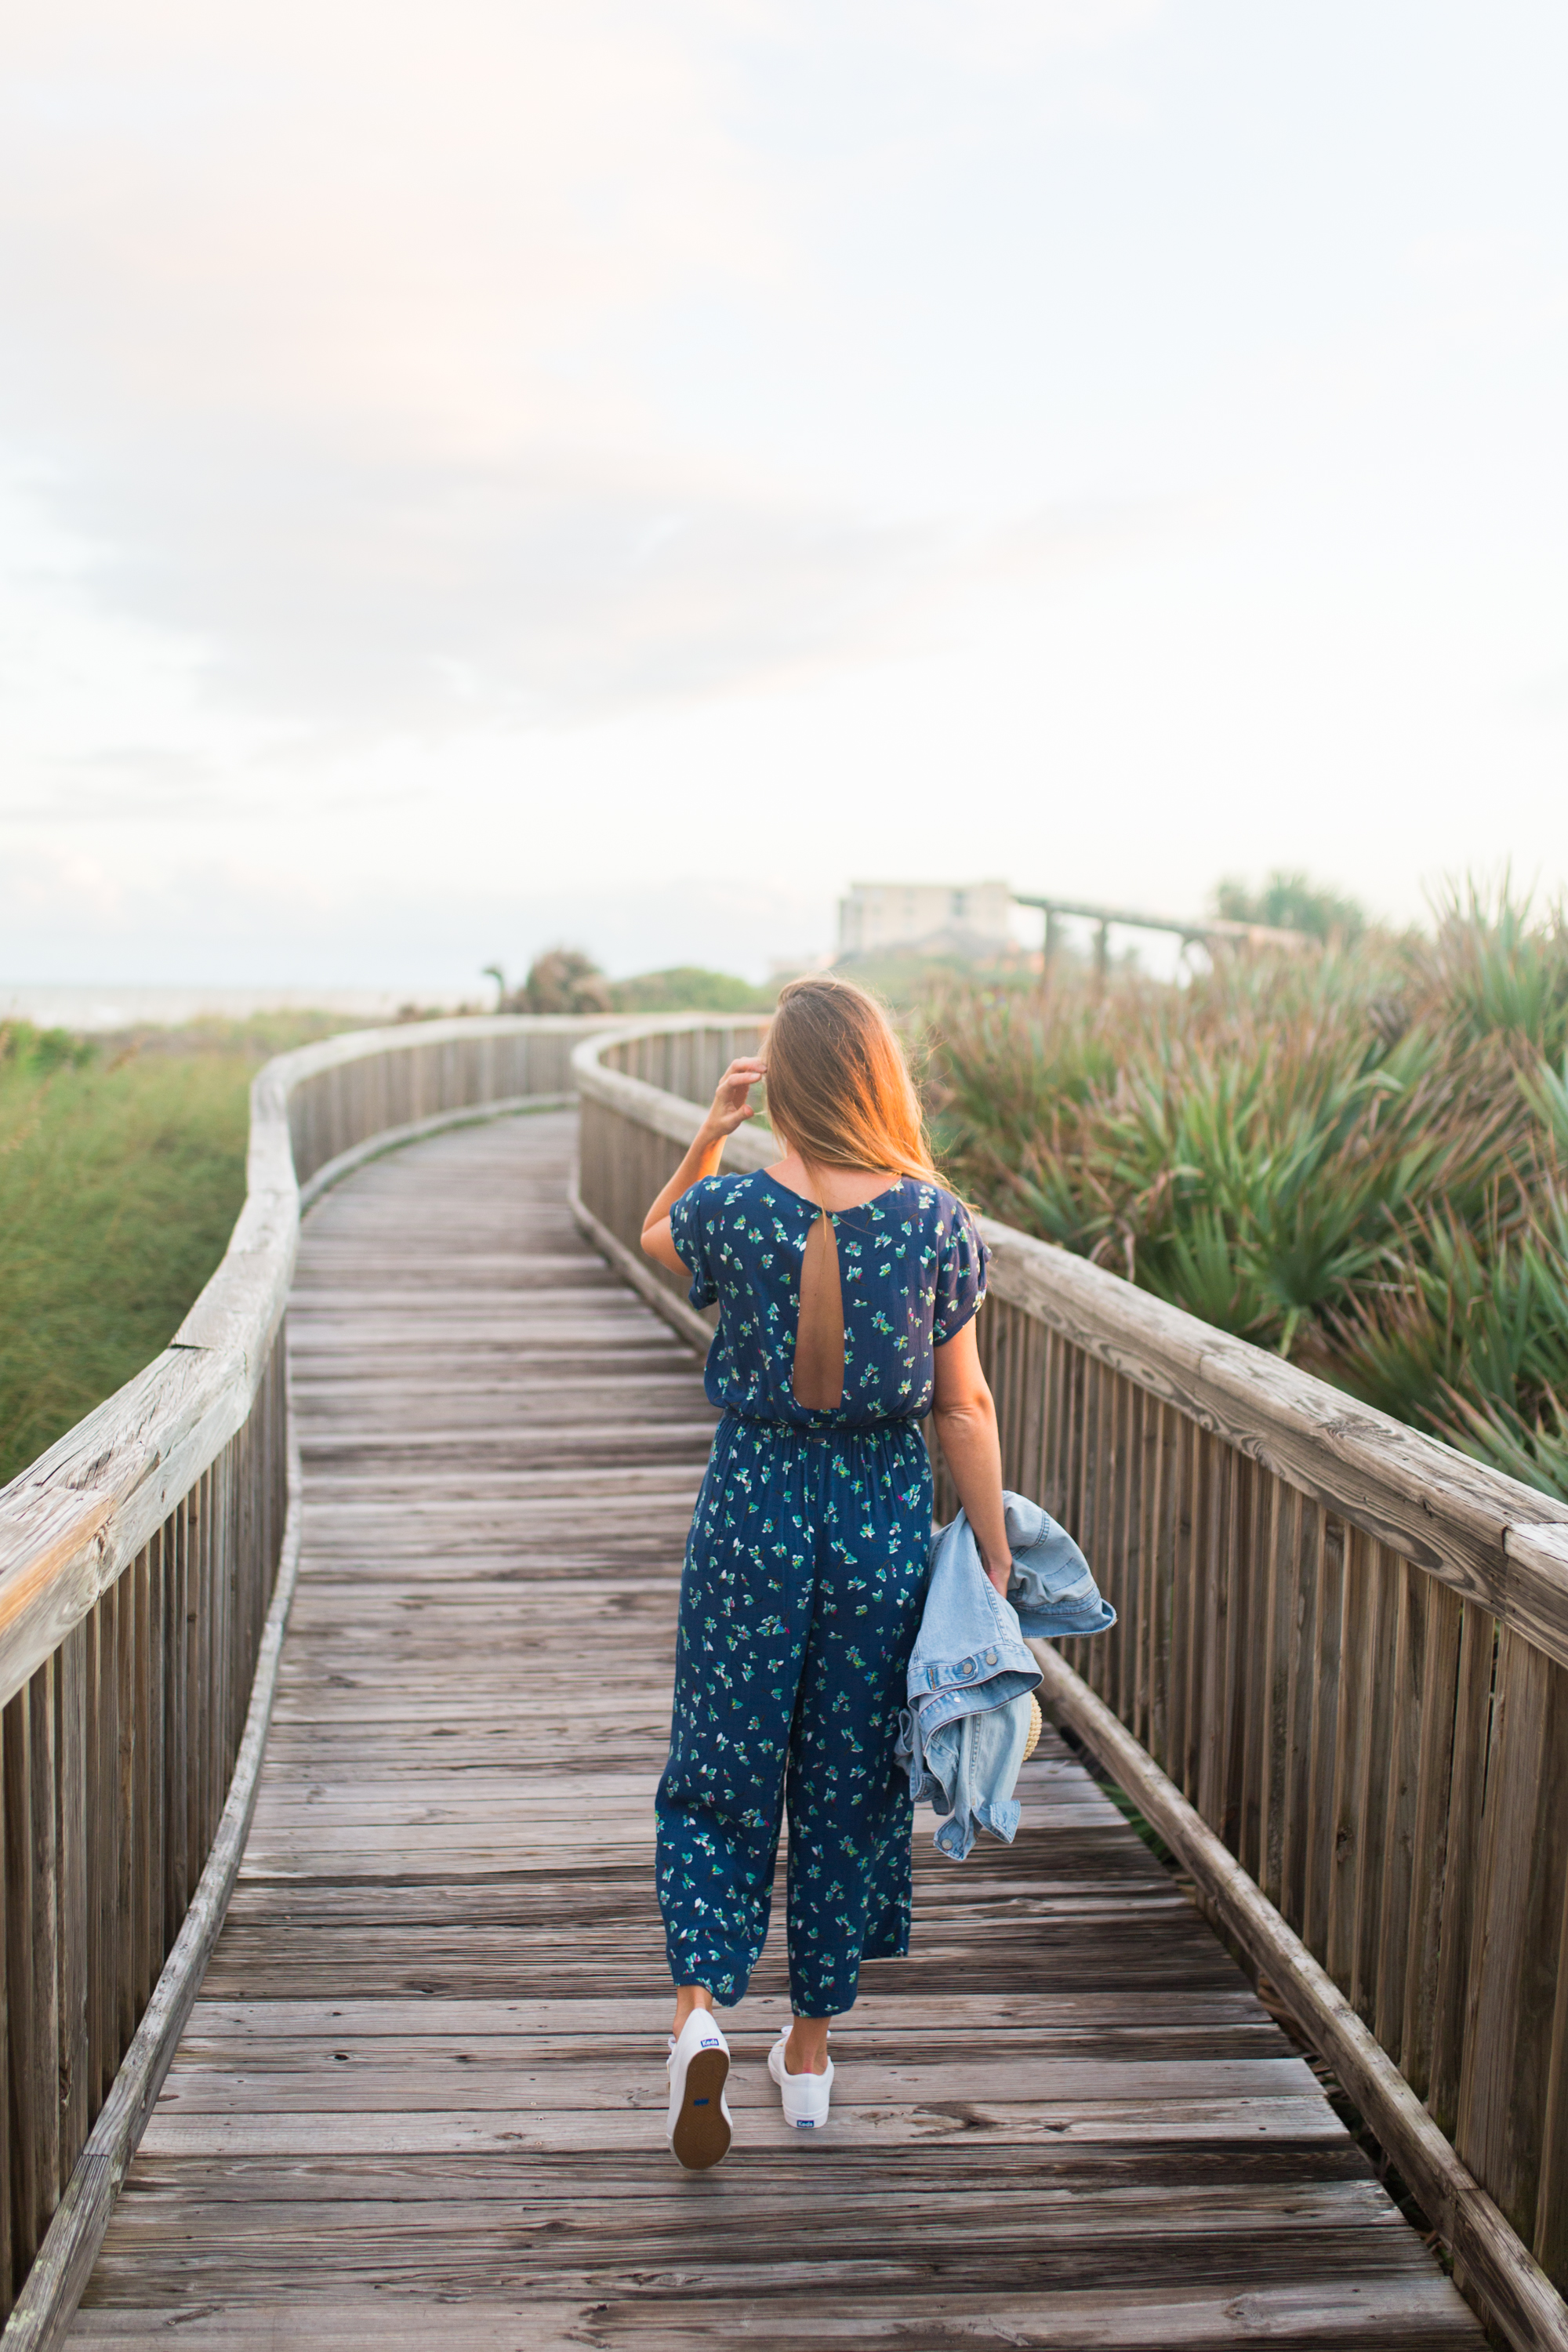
729	1110
966	1425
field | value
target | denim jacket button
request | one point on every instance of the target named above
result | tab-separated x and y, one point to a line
990	1657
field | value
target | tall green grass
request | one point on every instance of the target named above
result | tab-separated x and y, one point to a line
1357	1156
121	1172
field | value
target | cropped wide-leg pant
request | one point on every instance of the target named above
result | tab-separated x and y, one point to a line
806	1571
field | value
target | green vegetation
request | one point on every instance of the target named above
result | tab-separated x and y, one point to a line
687	988
1357	1156
121	1172
1290	902
564	979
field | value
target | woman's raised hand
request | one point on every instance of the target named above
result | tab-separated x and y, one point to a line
730	1106
728	1109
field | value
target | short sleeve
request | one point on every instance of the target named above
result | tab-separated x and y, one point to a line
960	1262
687	1229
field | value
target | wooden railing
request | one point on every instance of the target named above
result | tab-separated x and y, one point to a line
145	1565
1338	1683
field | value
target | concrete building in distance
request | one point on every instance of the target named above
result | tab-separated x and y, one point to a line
971	918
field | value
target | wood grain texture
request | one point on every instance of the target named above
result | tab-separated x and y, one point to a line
421	2096
1335	2317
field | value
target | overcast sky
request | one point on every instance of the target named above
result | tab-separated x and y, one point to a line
484	474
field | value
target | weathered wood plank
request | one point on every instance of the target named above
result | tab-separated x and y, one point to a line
1518	1936
72	1830
970	2125
1368	2310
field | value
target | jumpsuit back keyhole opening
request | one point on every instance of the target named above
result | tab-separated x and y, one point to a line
818	1376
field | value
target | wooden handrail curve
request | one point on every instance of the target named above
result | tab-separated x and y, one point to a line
1341	1656
139	1563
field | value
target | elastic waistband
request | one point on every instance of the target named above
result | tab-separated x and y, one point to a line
838	1431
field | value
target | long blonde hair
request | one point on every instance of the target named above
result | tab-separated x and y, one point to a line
838	1087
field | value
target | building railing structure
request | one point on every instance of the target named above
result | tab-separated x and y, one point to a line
1338	1686
146	1562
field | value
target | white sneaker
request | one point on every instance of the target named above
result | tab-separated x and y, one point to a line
806	2097
698	2063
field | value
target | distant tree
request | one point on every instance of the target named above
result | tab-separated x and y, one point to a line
1290	902
562	979
688	988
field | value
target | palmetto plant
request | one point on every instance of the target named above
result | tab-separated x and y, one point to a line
1358	1158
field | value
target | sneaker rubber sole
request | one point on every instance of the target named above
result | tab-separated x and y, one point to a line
702	2134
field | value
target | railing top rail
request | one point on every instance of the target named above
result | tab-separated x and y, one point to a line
1492	1539
73	1519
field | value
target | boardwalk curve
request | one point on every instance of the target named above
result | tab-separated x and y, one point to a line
419	2098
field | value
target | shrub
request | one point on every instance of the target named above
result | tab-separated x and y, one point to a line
1358	1156
690	987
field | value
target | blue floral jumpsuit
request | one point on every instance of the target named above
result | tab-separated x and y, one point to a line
806	1571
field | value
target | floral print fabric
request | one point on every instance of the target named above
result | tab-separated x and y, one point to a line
804	1578
912	1273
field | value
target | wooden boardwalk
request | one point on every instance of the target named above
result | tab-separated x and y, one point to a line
421	2098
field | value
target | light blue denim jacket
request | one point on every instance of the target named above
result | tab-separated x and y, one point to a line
963	1733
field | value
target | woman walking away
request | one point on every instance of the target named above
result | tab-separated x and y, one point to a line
846	1280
